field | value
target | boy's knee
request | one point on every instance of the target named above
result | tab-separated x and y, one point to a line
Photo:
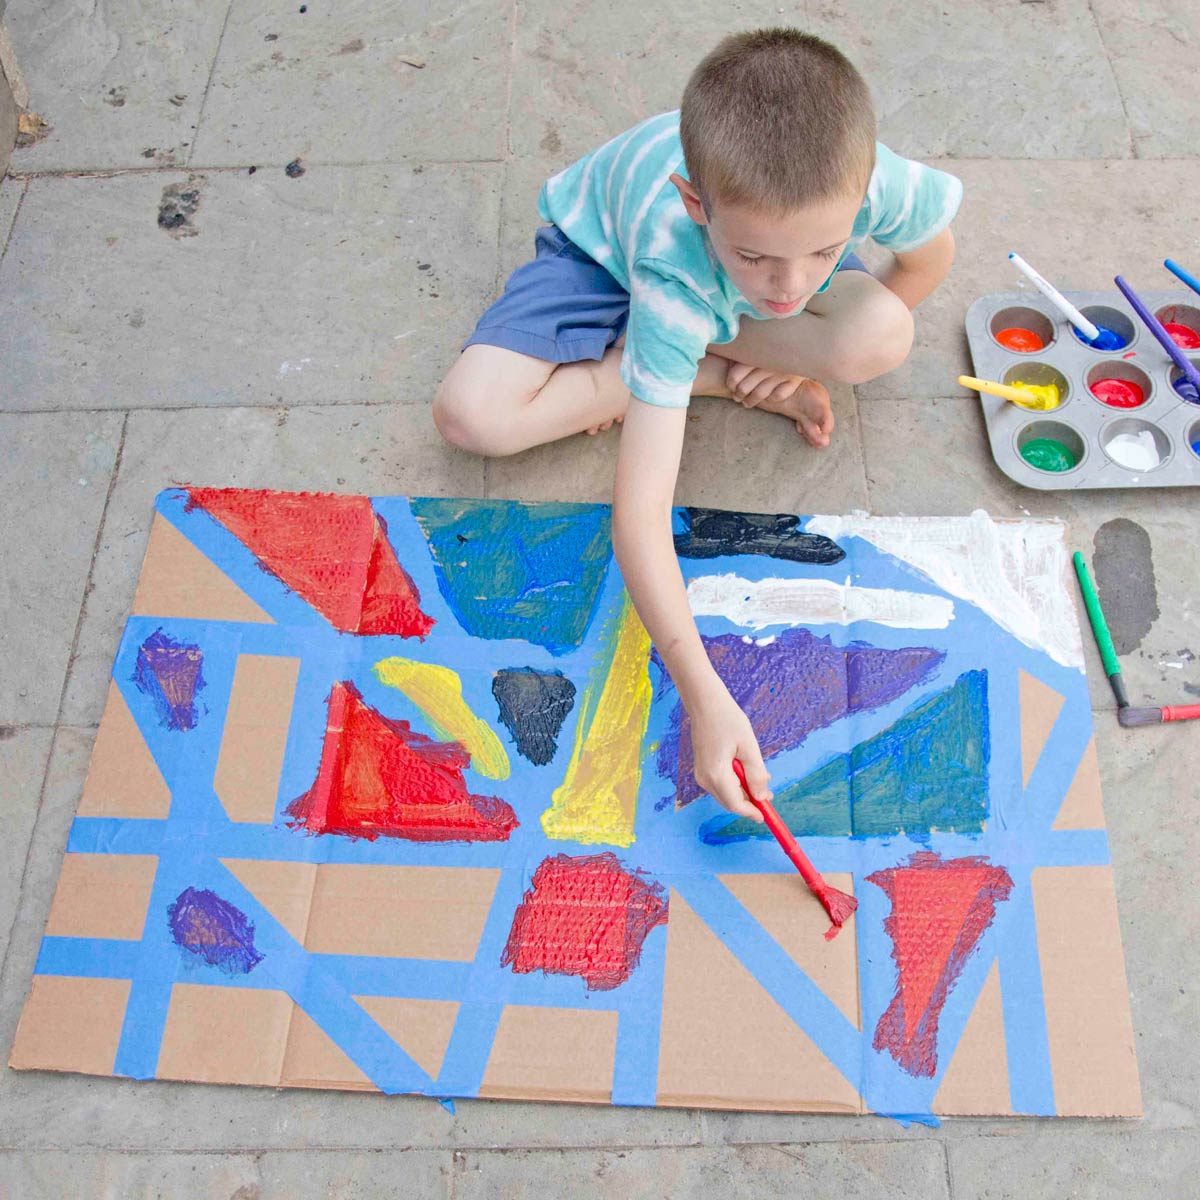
467	419
878	342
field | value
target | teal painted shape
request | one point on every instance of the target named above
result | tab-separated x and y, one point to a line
926	772
512	570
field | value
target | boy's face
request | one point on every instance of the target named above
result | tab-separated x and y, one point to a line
776	262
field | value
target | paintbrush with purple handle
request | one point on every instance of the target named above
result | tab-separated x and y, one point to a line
1190	374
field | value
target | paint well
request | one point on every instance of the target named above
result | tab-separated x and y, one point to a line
437	692
215	931
1047	454
169	672
713	532
587	916
378	778
526	571
1105	339
1023	341
1184	336
795	684
940	910
597	801
761	603
1135	451
926	772
1012	570
1119	393
533	706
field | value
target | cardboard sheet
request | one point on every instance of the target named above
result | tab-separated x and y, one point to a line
395	795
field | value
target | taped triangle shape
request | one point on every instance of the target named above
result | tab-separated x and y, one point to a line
178	580
772	1064
123	779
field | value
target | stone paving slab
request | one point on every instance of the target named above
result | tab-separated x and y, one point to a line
344	285
339	84
1082	1167
376	450
1152	47
1078	223
888	1170
54	475
23	757
903	440
11	191
941	82
122	84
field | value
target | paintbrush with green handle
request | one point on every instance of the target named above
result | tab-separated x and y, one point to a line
1108	654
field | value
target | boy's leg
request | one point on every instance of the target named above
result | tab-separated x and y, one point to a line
495	401
854	331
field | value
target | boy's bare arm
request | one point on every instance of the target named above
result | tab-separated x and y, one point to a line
915	273
647	467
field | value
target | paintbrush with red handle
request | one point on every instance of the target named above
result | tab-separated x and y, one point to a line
1154	716
837	904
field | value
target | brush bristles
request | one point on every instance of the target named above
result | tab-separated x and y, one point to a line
1130	717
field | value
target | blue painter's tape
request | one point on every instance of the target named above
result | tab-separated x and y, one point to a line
1031	1084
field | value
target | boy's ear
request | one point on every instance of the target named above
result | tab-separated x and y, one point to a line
691	199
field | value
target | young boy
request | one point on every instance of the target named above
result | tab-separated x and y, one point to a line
707	252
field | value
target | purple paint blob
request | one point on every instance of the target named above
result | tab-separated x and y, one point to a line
169	673
794	685
214	930
1187	389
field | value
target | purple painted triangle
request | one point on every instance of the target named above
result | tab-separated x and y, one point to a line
169	673
788	688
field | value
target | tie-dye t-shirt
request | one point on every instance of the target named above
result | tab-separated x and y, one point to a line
619	205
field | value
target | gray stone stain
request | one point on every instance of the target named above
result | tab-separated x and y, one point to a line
1125	578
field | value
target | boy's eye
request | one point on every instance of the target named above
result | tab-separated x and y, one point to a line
747	259
831	254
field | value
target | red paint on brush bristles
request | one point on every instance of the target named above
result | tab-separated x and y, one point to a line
332	551
378	778
587	916
837	904
940	909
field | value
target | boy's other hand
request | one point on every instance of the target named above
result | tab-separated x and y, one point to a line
721	732
805	401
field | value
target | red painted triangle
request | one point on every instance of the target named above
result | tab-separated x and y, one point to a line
332	551
379	778
940	909
929	910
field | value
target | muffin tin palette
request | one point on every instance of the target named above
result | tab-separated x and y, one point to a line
1120	422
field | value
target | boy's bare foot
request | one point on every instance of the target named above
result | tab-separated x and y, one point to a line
805	401
592	430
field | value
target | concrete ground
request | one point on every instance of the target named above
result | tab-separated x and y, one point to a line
294	340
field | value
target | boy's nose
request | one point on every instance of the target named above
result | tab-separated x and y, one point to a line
790	284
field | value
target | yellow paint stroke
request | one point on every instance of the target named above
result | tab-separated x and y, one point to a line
597	801
437	692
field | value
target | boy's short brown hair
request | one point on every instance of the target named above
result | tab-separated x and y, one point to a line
776	119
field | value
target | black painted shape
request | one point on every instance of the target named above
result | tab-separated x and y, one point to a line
711	532
533	706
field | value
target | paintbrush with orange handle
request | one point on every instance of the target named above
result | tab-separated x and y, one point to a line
837	904
1154	716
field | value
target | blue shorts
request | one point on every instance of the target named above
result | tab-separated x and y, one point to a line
563	306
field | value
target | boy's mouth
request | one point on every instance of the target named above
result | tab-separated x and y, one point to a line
783	309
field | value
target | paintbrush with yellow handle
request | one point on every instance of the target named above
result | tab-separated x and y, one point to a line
1036	396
